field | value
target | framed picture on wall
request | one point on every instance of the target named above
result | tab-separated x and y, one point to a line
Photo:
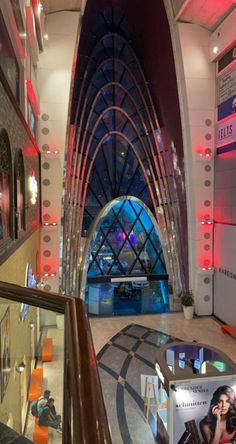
5	352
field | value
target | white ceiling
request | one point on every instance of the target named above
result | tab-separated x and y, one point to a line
207	13
50	6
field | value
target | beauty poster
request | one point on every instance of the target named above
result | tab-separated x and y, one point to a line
204	411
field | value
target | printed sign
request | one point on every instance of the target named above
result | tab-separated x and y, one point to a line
226	108
228	58
226	85
226	132
149	386
198	405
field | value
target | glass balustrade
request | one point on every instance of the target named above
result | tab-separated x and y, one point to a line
31	370
50	390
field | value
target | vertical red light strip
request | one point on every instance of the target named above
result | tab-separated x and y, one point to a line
32	97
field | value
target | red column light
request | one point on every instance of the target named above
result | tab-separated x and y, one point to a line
32	97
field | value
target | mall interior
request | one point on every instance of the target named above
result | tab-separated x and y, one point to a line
117	219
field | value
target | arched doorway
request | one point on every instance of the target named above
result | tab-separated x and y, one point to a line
125	263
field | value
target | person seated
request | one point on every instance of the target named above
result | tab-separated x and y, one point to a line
46	417
56	417
42	401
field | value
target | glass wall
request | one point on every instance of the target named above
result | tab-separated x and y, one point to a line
126	244
127	298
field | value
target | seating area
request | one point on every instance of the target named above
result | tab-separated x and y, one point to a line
47	376
36	383
47	350
229	329
40	435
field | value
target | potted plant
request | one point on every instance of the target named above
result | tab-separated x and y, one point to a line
187	302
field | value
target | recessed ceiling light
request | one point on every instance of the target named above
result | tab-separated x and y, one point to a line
215	49
45	36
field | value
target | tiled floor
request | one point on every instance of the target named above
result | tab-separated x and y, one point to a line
125	351
202	329
122	362
130	423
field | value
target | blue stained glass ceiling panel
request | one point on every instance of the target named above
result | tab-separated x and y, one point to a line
126	243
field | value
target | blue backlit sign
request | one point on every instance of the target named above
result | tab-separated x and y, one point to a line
227	108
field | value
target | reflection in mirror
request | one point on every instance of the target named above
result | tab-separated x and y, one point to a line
31	369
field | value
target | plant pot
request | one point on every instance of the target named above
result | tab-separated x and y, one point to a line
188	311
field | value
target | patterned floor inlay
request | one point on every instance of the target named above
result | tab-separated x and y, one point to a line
126	356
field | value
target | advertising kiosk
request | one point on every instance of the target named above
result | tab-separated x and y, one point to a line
196	396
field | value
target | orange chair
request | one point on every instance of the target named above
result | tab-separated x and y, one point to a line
47	350
229	329
36	382
40	435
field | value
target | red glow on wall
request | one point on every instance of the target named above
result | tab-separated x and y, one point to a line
30	151
32	97
204	216
49	274
205	262
49	224
35	224
53	152
199	150
203	152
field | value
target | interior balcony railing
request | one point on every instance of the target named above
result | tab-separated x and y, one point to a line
46	346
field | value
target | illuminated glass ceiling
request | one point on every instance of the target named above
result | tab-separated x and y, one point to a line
126	243
115	148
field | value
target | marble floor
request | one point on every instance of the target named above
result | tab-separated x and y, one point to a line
202	329
126	347
126	363
129	426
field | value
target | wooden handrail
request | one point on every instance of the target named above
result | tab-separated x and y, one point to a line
86	382
82	388
35	297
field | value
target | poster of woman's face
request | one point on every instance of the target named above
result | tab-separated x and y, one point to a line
5	352
205	411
